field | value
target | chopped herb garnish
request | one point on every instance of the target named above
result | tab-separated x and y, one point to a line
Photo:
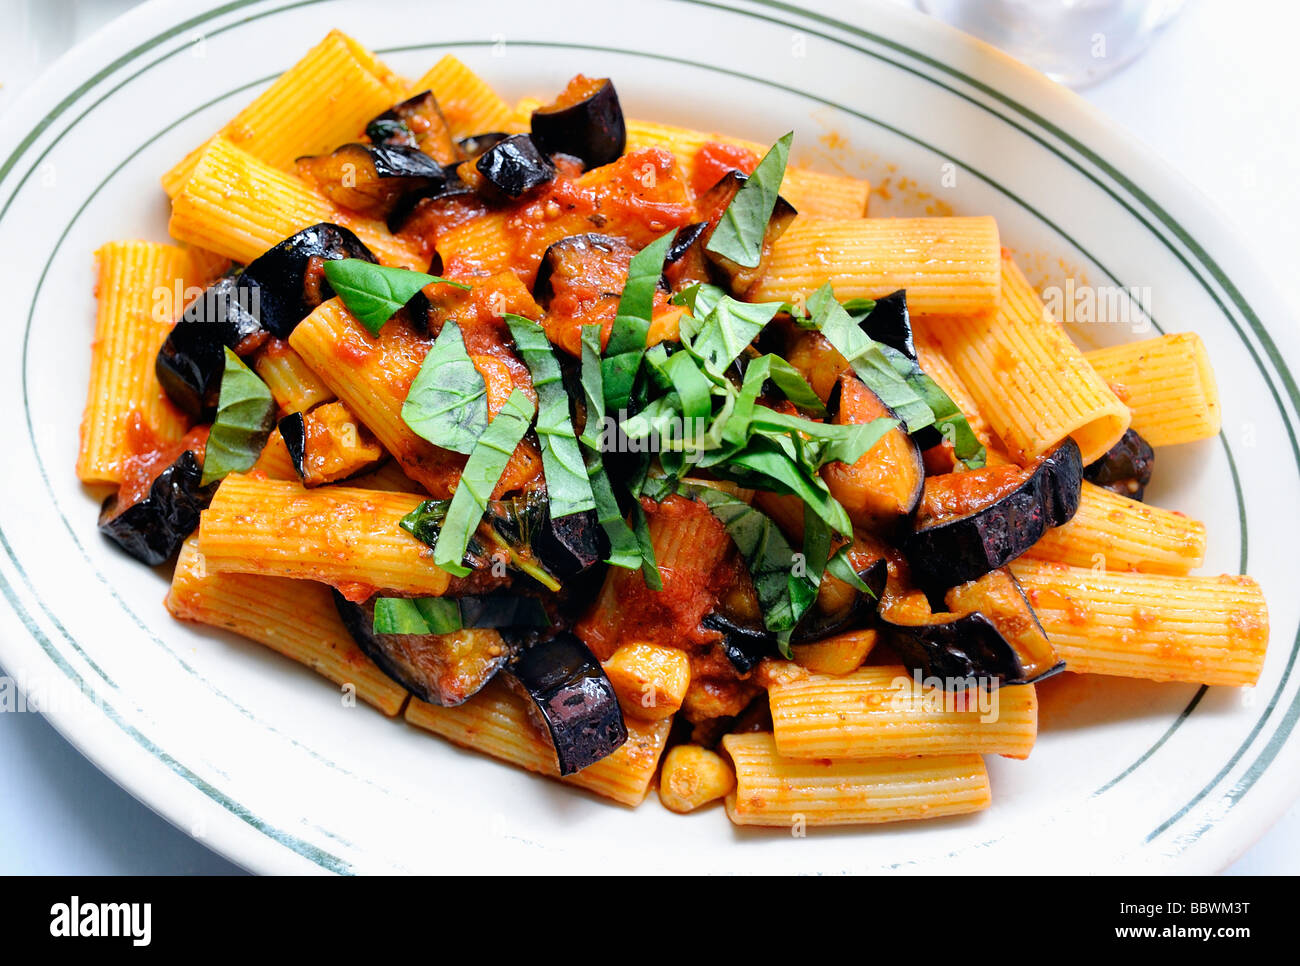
245	417
375	293
739	233
479	478
567	486
447	402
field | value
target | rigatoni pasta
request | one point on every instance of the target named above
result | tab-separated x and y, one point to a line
787	793
1168	385
137	286
884	712
293	618
1207	630
1030	381
947	265
344	536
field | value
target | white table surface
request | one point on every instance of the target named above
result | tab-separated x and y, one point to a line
1216	96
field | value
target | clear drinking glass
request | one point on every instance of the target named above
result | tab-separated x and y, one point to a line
1076	42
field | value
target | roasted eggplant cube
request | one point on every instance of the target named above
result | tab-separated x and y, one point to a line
744	643
736	278
991	634
822	622
889	323
442	669
372	179
152	529
575	699
515	166
882	489
328	444
585	121
283	276
474	146
1125	467
192	357
569	545
972	522
686	263
417	123
591	266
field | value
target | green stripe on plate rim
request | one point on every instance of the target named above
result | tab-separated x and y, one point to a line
1179	233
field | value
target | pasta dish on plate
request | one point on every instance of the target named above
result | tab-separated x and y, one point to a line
625	452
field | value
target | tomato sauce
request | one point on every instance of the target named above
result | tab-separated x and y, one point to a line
147	456
714	160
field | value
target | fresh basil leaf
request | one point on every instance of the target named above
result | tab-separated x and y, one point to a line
948	418
623	548
567	486
400	615
868	360
374	293
784	589
816	544
841	568
446	615
793	385
245	418
649	566
700	299
739	233
484	467
728	330
770	463
692	386
447	402
627	337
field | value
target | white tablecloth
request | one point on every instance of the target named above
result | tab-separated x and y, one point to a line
1215	96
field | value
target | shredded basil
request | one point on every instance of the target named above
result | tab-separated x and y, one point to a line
567	486
649	566
374	293
785	590
739	233
245	418
627	338
446	615
624	550
868	359
840	568
728	330
477	481
447	402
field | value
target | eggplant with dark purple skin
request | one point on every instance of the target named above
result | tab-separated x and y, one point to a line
737	278
893	469
372	179
473	147
566	546
293	430
1124	468
745	643
514	166
889	323
991	633
152	529
685	263
590	260
570	691
416	123
281	274
192	358
586	121
442	669
976	521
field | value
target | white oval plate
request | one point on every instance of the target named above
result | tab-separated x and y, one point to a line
259	757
